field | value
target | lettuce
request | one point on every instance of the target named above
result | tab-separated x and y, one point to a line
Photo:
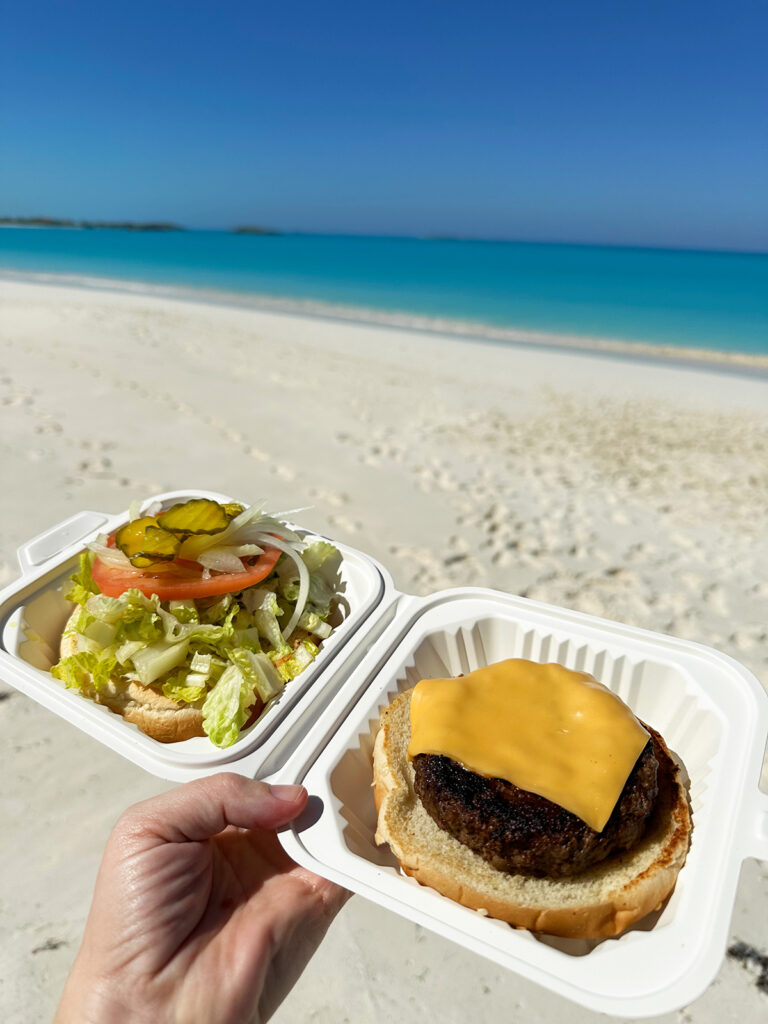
227	707
264	607
86	668
177	687
140	618
157	660
127	650
75	670
101	632
212	636
184	611
106	609
260	673
79	622
318	554
289	666
248	639
105	667
217	612
319	597
312	623
82	581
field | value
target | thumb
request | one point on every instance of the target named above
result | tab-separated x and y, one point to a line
201	809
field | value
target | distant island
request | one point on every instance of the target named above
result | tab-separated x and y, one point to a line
88	225
254	229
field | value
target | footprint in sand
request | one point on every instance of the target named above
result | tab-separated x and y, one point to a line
342	522
434	477
255	453
716	598
96	445
96	469
325	498
17	399
49	427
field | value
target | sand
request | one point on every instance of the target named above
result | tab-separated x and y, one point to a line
625	487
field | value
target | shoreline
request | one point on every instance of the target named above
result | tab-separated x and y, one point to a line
741	363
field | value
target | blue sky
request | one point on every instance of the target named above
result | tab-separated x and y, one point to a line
639	123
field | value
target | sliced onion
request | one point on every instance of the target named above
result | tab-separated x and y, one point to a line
112	557
221	560
246	550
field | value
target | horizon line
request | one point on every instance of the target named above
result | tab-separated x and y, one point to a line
267	231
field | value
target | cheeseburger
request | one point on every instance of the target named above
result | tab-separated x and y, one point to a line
531	793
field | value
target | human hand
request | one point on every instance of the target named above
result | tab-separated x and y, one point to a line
198	914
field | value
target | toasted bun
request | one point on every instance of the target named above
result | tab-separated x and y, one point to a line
163	719
600	902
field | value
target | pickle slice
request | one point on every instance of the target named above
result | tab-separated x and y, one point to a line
232	509
195	517
145	542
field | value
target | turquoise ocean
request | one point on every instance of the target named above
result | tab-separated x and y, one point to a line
693	299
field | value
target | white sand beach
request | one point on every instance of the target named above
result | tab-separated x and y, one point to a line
622	486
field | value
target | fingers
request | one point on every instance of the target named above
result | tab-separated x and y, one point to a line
201	809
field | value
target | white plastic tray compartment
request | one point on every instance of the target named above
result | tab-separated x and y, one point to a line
711	711
36	601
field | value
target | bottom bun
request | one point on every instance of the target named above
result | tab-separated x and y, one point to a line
165	720
598	903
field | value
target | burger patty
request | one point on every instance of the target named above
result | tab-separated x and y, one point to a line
521	832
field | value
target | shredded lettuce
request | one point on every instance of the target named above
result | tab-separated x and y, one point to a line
311	622
184	688
217	612
106	609
140	617
321	560
82	581
127	650
295	662
184	611
260	672
318	554
227	706
269	629
157	660
75	670
102	633
86	669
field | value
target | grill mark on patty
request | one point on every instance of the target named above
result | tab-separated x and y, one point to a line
521	832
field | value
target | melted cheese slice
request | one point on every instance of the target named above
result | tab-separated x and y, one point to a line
544	728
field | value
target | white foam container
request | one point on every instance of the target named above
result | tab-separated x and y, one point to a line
711	711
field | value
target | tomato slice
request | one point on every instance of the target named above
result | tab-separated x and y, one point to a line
178	580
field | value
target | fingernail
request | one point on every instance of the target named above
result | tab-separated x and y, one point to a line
288	793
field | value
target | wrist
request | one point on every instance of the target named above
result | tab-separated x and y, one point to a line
88	998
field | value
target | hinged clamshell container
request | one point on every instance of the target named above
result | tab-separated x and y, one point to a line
712	713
